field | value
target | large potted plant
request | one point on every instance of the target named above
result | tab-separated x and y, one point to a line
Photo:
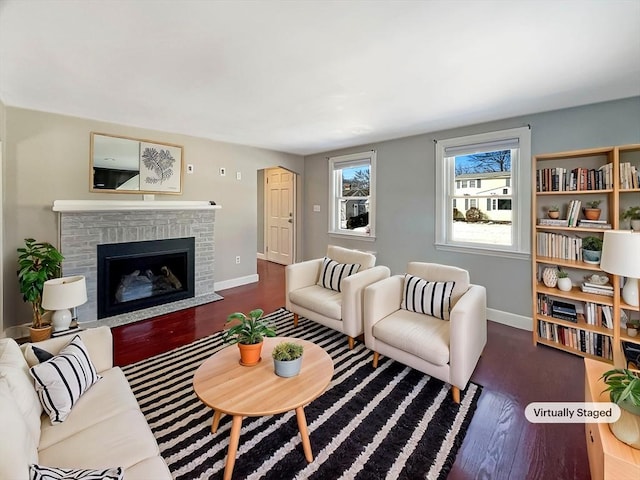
248	334
633	215
591	250
624	389
287	359
37	263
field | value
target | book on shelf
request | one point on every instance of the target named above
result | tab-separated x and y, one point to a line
598	290
574	212
594	224
606	286
553	222
564	311
67	331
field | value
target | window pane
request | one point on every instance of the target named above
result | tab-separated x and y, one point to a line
477	177
354	214
355	181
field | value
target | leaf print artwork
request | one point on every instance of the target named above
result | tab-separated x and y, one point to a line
160	163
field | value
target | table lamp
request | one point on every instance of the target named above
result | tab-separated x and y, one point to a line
61	294
621	256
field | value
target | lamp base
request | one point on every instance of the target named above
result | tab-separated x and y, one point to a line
630	292
61	320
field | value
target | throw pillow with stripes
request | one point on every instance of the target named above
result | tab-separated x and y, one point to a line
429	298
62	380
333	273
38	472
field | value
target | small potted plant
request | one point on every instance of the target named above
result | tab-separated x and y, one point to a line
624	389
248	334
287	359
553	211
632	327
37	263
564	282
591	250
591	211
633	215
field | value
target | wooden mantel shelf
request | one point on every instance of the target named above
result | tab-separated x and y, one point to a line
130	205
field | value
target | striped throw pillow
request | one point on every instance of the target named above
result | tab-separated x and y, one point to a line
38	472
429	298
333	273
62	380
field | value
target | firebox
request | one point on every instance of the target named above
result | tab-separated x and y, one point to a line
137	275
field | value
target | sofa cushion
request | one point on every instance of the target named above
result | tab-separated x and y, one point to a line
107	398
152	467
62	380
435	272
429	298
421	335
318	299
41	355
18	449
332	273
40	472
16	373
346	255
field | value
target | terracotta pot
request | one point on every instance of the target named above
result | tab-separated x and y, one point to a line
553	214
39	334
250	354
591	213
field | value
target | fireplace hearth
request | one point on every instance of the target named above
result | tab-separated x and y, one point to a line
137	275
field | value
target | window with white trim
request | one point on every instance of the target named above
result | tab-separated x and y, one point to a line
352	194
495	217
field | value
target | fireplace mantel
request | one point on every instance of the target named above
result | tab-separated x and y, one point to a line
130	205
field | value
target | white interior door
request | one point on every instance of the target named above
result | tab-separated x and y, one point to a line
280	192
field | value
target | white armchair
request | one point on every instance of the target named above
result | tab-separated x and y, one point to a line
338	310
445	349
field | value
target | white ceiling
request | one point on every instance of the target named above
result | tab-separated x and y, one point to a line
312	76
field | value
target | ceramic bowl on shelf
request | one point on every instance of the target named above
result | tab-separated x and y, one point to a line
597	279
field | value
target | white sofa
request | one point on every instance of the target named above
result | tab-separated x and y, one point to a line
104	429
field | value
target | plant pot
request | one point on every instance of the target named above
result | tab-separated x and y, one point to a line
553	214
287	368
250	354
627	427
550	277
564	284
635	225
632	331
591	213
591	256
39	334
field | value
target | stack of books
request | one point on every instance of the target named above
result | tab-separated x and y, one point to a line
68	331
588	287
564	311
595	224
553	222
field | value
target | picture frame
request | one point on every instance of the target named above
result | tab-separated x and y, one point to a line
120	164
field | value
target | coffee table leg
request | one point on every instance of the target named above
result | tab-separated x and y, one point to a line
216	420
236	424
304	434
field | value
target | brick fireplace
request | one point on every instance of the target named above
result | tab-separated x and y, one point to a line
83	225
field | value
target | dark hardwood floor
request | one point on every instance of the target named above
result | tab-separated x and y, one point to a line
500	442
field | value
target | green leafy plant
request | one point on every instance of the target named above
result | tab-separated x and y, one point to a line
594	203
251	329
553	208
37	263
622	384
631	213
562	274
592	243
287	351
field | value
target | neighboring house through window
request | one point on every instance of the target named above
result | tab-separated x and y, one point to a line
352	194
483	174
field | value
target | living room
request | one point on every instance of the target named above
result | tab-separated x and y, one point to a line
45	157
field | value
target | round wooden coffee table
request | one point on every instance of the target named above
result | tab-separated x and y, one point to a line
224	385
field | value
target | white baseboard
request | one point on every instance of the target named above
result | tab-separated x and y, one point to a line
235	282
261	256
510	319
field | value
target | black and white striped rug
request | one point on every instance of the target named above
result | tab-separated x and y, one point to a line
390	422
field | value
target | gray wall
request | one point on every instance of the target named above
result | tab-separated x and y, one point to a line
2	155
405	217
47	158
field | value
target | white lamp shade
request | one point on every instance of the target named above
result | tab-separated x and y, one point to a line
621	256
63	293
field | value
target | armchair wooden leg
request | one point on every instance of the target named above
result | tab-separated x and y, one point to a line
455	392
375	359
351	342
295	319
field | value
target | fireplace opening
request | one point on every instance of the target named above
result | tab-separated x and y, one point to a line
137	275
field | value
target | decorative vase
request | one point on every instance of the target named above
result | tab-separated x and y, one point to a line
564	284
591	213
287	368
553	214
627	427
591	256
250	354
550	277
39	334
635	225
